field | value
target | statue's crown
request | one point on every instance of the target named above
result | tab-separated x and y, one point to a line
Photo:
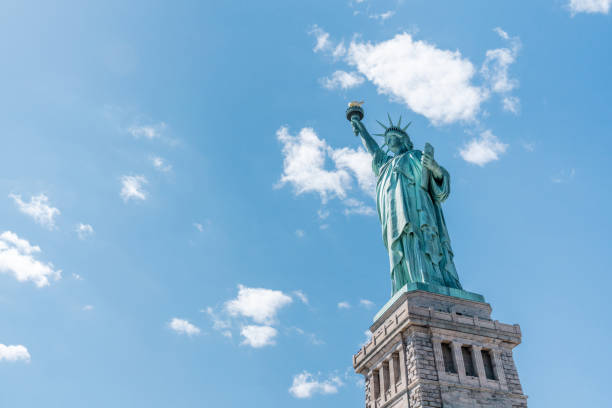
394	128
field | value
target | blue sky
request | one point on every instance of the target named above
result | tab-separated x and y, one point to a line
187	217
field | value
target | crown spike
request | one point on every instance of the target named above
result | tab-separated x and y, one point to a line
390	121
379	134
399	122
404	129
382	125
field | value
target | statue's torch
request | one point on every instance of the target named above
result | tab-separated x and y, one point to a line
354	110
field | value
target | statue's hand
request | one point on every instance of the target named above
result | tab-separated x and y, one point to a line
430	164
357	125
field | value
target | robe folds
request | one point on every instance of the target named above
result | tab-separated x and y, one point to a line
413	226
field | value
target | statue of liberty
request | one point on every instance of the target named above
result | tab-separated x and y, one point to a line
410	189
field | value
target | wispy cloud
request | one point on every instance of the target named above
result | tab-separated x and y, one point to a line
17	258
14	353
305	385
38	208
368	304
483	149
589	6
564	176
149	131
382	16
183	326
344	305
496	67
84	231
132	188
88	308
301	295
161	164
342	80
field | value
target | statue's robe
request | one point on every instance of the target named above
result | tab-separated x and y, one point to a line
413	226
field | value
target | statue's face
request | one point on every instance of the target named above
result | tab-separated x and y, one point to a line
395	143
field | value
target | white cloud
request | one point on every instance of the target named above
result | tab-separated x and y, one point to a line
323	214
38	208
342	80
260	304
511	104
564	176
161	164
88	308
14	353
344	305
219	324
433	82
589	6
76	276
258	336
305	385
529	146
357	207
301	295
17	258
150	132
303	165
484	149
299	233
366	303
198	226
84	230
322	37
359	162
496	64
382	16
132	188
182	326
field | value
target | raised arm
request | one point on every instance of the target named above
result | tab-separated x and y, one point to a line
368	141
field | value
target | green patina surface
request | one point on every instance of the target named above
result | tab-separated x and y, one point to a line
440	290
410	189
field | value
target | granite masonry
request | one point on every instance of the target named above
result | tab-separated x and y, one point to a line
433	350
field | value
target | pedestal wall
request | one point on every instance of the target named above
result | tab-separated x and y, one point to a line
431	350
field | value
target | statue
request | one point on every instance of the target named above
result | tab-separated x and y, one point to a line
410	189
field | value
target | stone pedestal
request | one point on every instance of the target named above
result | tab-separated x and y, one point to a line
433	350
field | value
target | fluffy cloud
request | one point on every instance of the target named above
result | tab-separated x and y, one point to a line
483	149
161	164
589	6
182	326
304	168
17	258
433	82
305	385
132	188
14	353
219	324
303	165
84	230
342	80
38	208
258	336
358	162
147	131
511	104
259	304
